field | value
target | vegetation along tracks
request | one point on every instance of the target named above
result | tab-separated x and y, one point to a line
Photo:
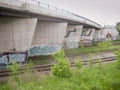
40	68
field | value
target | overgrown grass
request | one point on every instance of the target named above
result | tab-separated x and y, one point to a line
101	46
105	78
92	77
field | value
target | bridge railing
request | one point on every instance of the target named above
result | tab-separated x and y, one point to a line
41	4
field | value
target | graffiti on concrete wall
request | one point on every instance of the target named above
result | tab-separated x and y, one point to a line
3	60
72	44
69	32
44	50
73	37
86	32
17	58
11	58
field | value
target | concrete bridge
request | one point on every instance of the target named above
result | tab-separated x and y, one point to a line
38	27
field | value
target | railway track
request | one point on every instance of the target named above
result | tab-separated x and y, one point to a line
40	68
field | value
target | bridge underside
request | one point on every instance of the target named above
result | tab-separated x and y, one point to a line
23	14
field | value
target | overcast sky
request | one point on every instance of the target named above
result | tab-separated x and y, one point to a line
101	11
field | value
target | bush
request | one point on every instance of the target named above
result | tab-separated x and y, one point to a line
83	87
78	63
14	68
96	87
62	68
115	84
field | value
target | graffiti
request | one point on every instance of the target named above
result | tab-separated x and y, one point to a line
73	38
44	50
72	44
3	60
10	58
70	31
17	58
86	32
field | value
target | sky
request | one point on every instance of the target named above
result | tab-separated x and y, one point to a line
104	12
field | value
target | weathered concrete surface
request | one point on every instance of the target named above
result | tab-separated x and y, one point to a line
49	33
73	34
16	33
37	9
48	38
98	35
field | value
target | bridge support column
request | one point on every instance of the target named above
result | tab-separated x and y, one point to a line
88	33
98	35
73	34
16	34
48	38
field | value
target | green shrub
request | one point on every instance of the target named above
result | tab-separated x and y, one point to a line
96	87
62	68
14	68
83	87
78	63
28	68
100	63
115	84
118	58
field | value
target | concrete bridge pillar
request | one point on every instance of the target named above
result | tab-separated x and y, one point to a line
88	33
72	37
16	34
98	35
48	38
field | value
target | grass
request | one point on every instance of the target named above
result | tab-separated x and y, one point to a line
92	49
104	77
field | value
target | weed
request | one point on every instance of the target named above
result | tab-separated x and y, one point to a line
118	58
62	68
78	63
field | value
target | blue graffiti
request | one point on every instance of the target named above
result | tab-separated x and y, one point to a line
3	60
44	50
17	58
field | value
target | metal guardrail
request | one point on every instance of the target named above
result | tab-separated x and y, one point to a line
41	4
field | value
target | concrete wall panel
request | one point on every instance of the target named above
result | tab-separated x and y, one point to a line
16	33
49	33
48	38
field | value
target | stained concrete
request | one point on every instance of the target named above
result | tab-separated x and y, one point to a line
49	33
16	33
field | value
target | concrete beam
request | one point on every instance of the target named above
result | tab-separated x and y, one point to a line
37	9
16	33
